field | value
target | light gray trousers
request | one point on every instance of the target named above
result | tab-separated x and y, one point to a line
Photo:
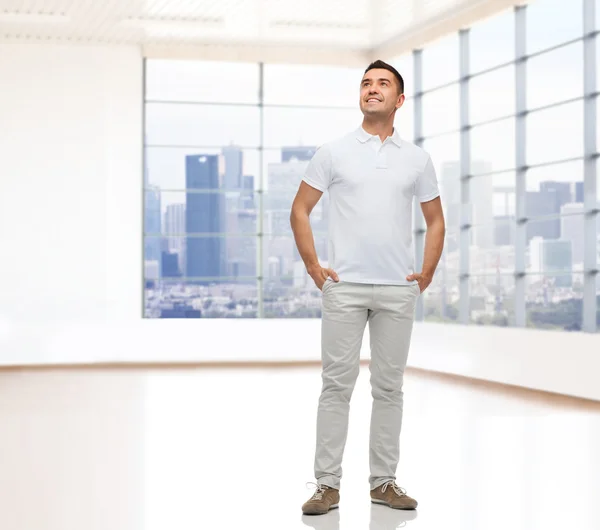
346	309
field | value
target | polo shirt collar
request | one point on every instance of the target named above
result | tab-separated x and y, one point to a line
363	136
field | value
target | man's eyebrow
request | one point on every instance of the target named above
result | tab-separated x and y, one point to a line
380	79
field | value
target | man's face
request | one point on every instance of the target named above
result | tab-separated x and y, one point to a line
379	95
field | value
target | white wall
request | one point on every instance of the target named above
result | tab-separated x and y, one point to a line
71	144
71	246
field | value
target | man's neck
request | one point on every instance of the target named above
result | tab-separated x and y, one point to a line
381	129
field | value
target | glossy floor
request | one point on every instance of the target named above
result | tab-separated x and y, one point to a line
184	449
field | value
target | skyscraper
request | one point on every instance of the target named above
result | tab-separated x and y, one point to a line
205	214
175	224
247	199
234	162
548	201
152	223
571	229
248	182
562	189
170	265
233	157
552	258
301	153
243	263
540	204
579	197
152	220
283	181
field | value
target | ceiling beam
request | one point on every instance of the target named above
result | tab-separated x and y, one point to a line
249	52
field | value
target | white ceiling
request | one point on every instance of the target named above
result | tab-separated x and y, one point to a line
321	30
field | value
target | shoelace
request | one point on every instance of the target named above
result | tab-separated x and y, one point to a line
397	489
319	493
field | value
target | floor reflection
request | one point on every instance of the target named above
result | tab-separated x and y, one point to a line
227	449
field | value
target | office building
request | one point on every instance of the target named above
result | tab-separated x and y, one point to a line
204	219
552	258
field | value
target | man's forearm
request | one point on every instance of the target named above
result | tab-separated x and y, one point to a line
434	244
303	236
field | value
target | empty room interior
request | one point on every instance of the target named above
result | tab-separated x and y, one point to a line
248	244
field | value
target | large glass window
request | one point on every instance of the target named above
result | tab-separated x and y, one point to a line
492	214
307	126
553	195
318	85
177	125
223	166
555	134
545	85
492	299
552	22
440	300
221	172
207	298
445	154
492	95
168	167
493	146
202	81
554	243
440	62
492	249
492	41
504	196
441	111
554	189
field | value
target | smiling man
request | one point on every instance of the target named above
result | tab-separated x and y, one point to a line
372	176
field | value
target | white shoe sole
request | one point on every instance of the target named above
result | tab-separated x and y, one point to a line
332	507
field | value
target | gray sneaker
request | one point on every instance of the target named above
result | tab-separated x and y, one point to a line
323	500
392	495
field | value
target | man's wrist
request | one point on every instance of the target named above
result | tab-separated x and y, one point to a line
427	275
311	267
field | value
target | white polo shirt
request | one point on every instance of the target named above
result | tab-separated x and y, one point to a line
371	188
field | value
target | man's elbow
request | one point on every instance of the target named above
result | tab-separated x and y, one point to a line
296	213
437	225
442	225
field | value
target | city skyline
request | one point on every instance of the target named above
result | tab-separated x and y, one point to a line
546	252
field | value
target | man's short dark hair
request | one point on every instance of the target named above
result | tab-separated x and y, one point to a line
389	68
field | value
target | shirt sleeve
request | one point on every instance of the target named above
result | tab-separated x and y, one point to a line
318	172
427	186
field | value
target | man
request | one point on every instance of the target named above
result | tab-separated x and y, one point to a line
372	176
